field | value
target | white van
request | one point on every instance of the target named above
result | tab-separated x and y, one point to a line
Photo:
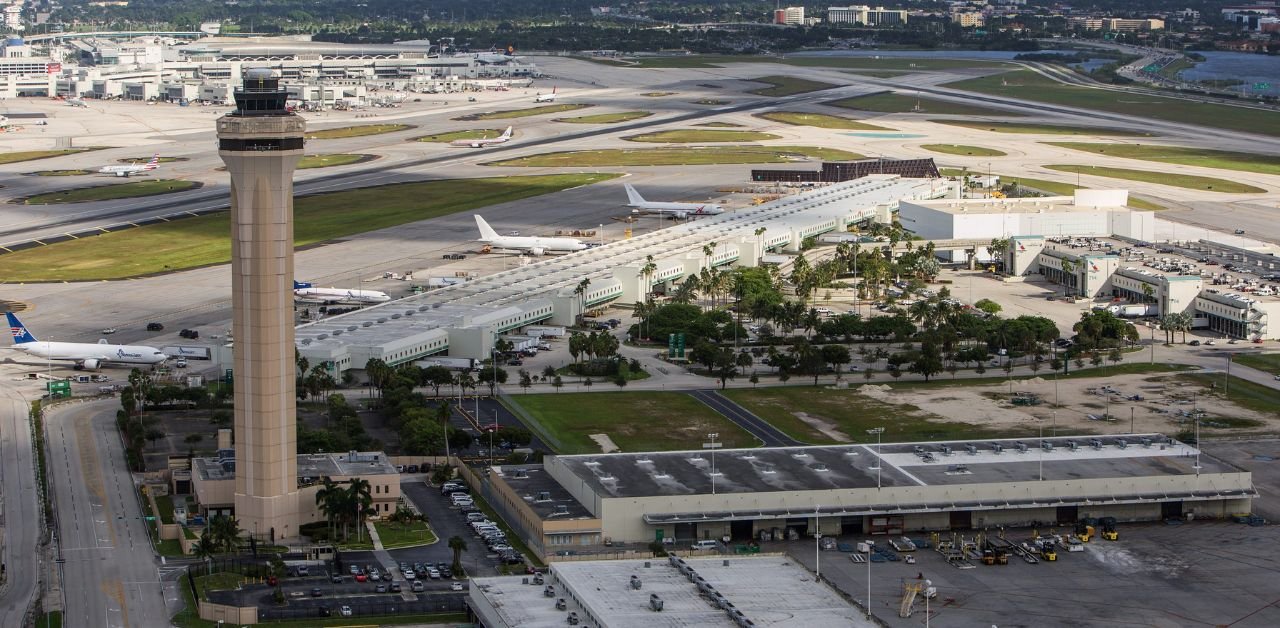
706	544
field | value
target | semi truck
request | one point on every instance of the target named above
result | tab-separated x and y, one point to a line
457	364
544	331
1134	310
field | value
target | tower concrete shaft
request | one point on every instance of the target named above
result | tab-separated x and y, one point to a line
261	143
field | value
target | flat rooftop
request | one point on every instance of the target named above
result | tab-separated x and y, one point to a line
630	475
601	593
1030	205
542	492
313	466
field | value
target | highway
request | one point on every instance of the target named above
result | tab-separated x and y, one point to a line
110	575
20	513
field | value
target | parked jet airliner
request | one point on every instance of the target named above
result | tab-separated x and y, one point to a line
134	168
86	355
677	210
527	244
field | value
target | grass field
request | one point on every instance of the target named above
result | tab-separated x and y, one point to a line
689	136
61	173
1268	362
607	118
524	113
357	131
217	581
143	160
1243	393
710	101
135	189
903	103
1224	159
820	120
1040	129
469	134
1056	188
960	149
787	86
397	535
719	125
1028	85
326	161
203	240
636	421
692	156
1190	182
31	155
849	63
852	414
657	94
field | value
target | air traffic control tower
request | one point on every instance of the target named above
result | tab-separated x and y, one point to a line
261	143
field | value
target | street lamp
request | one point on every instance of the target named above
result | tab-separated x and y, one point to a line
712	445
877	431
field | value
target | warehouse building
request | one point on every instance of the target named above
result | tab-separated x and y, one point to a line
900	487
1239	315
670	592
1171	294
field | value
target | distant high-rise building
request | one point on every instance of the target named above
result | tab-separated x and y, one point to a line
261	143
865	15
789	15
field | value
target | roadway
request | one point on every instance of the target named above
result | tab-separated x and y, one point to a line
110	575
756	426
19	509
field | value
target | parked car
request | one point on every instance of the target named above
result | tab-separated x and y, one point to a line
395	587
418	587
381	588
155	327
345	611
456	586
434	573
316	592
109	330
336	578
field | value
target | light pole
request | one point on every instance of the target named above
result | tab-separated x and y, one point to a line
817	540
712	446
877	431
870	546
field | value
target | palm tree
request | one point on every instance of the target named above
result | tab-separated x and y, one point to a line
580	291
329	499
204	548
458	545
359	499
224	531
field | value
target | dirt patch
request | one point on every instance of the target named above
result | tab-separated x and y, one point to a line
606	444
827	428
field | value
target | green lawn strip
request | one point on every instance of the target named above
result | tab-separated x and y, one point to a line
51	619
719	125
398	535
1040	129
203	240
1028	85
143	160
60	173
1141	203
820	120
694	156
327	161
469	134
787	86
657	94
1188	181
606	118
636	421
522	113
136	189
1243	393
884	74
164	503
217	581
357	131
1268	362
852	414
960	149
676	136
850	63
1205	158
31	155
887	102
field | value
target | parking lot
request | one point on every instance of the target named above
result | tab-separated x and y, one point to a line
1196	574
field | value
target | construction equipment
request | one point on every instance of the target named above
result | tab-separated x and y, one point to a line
1109	529
1084	531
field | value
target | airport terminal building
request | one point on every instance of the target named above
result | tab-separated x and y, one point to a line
868	490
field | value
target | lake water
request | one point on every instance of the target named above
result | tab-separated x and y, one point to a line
1237	66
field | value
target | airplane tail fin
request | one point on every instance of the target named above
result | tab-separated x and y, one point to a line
486	232
19	331
299	285
633	197
154	163
553	90
507	133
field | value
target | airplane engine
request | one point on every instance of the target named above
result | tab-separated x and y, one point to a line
90	365
475	145
536	251
681	215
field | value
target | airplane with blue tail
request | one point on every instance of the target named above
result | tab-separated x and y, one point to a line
85	355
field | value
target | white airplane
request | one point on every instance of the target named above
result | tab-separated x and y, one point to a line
481	143
680	211
305	292
88	356
546	97
133	168
526	244
494	57
76	102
